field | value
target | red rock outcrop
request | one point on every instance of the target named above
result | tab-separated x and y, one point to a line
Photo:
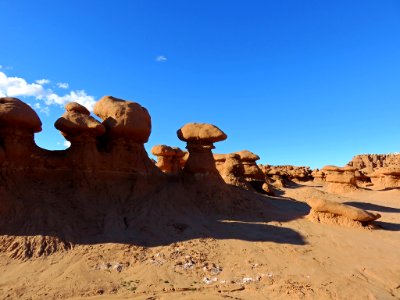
318	175
168	158
128	127
200	140
53	200
18	123
386	178
373	161
82	130
340	179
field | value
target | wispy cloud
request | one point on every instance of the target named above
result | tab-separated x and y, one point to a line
161	58
67	143
19	87
62	85
42	81
43	109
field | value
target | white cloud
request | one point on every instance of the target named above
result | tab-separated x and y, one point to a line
62	85
43	109
67	143
161	58
19	87
42	81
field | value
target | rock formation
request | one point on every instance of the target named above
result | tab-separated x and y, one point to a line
318	175
231	169
289	172
104	188
340	179
200	140
386	178
18	123
373	161
326	211
252	172
169	159
128	127
82	130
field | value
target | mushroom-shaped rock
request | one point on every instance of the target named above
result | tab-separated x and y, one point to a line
386	177
201	133
168	158
200	138
76	123
124	119
340	179
18	124
252	171
319	207
319	176
16	114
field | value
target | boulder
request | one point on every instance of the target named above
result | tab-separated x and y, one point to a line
16	114
124	119
322	206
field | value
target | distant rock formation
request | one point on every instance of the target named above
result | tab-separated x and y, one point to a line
340	179
281	176
377	170
373	161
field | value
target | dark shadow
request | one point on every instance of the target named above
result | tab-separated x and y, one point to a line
155	211
388	226
375	207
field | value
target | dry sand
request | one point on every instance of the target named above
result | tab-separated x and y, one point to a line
281	255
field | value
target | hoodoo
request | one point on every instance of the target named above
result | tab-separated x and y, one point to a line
128	127
200	139
168	158
18	123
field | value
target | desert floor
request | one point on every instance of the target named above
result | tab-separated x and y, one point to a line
278	258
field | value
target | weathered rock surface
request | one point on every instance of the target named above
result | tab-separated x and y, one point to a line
373	161
110	191
168	158
124	119
340	179
326	211
200	140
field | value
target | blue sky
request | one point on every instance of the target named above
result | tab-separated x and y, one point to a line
297	82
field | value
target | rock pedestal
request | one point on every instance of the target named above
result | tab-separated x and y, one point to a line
200	140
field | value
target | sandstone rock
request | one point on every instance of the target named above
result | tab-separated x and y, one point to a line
200	138
252	172
77	122
18	123
386	178
350	212
168	158
319	176
201	133
373	161
340	180
124	119
16	114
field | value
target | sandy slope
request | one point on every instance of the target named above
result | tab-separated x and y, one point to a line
281	255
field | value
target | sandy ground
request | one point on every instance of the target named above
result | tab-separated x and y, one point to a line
280	258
